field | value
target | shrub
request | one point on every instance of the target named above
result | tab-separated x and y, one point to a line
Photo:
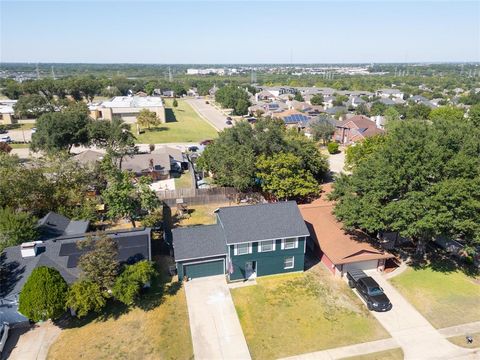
85	296
44	295
128	285
332	147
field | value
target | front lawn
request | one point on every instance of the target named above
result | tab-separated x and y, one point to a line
462	341
445	298
158	328
183	124
293	314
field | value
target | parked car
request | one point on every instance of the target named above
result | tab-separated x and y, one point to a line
4	328
369	290
3	130
252	120
228	122
5	138
193	148
34	130
206	102
206	142
229	118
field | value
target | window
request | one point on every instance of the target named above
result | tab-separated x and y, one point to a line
266	246
289	262
289	243
242	249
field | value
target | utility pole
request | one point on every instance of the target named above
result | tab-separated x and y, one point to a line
38	72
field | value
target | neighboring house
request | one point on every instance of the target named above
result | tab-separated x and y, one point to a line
127	108
337	249
293	118
54	225
245	242
390	93
7	112
354	102
61	253
355	129
158	166
178	159
264	95
89	157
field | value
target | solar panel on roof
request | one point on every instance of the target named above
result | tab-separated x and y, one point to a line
69	249
72	261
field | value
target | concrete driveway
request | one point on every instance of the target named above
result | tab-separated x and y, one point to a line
215	328
207	111
417	337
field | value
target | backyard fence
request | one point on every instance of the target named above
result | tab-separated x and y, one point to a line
208	196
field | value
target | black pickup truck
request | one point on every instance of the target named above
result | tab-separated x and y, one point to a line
369	290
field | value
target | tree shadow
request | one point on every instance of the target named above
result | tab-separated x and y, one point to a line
170	116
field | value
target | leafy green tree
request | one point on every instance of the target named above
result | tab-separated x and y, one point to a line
322	129
422	182
357	153
378	108
61	130
233	97
32	106
133	278
339	100
446	113
16	227
418	111
391	114
362	109
99	264
175	103
44	295
85	296
282	175
474	115
317	99
12	89
147	118
298	97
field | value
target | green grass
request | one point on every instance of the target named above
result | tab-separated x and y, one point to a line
444	298
461	341
300	313
158	328
183	124
183	181
392	354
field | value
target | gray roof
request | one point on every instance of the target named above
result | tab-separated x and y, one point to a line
89	157
198	242
142	162
54	225
175	154
63	255
262	222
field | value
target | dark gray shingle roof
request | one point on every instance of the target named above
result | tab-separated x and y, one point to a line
198	241
54	225
262	222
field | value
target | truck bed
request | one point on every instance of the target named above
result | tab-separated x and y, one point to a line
356	274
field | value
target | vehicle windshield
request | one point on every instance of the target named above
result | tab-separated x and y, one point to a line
375	291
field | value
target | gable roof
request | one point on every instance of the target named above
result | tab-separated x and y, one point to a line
198	242
340	247
89	156
141	162
63	255
261	222
54	225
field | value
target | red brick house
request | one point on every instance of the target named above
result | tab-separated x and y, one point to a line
355	129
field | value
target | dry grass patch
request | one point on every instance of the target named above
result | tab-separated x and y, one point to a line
462	341
292	314
158	328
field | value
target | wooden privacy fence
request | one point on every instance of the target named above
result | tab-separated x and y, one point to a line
198	196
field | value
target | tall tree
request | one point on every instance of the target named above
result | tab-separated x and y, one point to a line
282	175
322	129
446	113
44	295
85	296
317	99
423	181
147	118
32	106
99	264
16	227
128	285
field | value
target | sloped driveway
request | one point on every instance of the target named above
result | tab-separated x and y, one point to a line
216	330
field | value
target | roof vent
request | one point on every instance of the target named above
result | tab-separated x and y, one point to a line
29	249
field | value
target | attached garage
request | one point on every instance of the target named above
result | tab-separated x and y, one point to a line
202	269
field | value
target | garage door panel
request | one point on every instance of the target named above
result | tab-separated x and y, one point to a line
362	265
209	268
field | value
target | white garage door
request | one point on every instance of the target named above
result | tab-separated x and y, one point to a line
361	265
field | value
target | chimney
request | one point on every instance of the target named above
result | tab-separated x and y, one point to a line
29	249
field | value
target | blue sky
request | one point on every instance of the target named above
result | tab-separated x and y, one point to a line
239	32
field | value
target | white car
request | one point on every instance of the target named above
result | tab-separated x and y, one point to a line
5	138
34	130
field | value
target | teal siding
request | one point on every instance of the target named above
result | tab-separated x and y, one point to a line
268	263
201	267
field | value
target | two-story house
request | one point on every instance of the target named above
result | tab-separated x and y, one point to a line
245	242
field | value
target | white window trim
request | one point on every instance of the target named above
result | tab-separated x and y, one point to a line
293	263
284	241
260	245
235	249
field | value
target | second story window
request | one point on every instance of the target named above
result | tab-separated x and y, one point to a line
266	246
242	249
289	243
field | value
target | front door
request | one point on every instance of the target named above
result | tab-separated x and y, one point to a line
250	269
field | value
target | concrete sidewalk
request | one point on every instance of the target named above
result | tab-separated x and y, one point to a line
214	325
463	329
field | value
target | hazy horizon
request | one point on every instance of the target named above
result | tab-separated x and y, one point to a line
239	33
